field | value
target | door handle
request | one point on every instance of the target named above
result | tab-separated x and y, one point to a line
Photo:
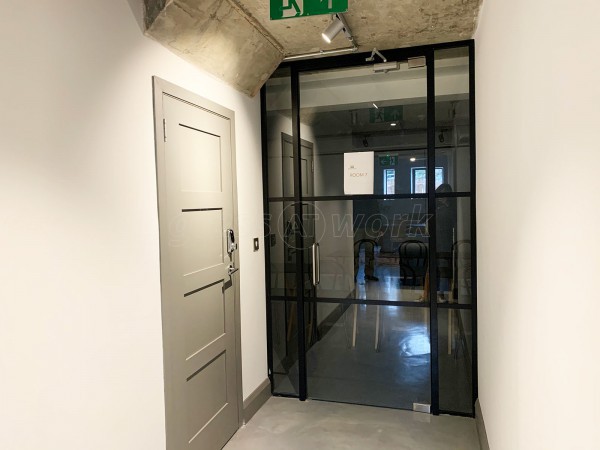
231	244
231	269
316	264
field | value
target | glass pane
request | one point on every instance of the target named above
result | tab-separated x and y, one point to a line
281	239
452	121
279	134
357	110
284	340
367	248
453	256
372	355
455	360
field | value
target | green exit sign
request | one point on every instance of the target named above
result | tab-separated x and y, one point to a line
387	114
286	9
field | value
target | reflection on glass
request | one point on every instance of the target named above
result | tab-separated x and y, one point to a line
452	117
356	110
284	340
389	181
453	255
455	360
279	132
281	240
372	355
376	249
419	179
367	248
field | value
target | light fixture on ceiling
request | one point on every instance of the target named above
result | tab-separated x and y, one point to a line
413	159
393	124
337	24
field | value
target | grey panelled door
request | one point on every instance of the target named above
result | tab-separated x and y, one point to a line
196	209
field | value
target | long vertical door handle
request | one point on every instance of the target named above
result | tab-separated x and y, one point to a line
316	264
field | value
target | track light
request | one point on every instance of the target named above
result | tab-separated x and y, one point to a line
333	29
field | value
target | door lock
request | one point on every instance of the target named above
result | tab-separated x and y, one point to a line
231	269
231	244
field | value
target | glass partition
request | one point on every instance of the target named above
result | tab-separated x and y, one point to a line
453	250
355	110
371	354
452	118
371	264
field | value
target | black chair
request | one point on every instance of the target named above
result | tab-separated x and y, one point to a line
369	246
413	258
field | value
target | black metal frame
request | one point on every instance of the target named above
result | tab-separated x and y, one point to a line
431	204
356	60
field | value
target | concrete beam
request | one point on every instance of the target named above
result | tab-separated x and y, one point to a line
217	35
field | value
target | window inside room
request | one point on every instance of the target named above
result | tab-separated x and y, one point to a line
389	181
419	179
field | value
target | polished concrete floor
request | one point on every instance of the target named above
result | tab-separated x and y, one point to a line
288	424
378	355
369	364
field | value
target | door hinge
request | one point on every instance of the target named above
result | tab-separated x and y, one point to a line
165	129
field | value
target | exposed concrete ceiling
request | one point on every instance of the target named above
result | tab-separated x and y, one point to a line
236	41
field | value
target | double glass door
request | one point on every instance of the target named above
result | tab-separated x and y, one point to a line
369	230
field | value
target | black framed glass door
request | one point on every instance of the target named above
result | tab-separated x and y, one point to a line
384	255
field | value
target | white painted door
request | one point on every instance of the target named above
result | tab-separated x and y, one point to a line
196	212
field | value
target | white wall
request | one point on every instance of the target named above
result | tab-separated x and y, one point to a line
538	151
80	324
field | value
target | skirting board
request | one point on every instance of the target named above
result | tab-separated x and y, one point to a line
483	440
255	401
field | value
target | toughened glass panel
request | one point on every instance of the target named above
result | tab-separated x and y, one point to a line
369	354
279	134
357	110
281	245
288	234
452	117
284	340
453	256
455	360
372	249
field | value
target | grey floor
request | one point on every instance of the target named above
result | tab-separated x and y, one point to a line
284	423
394	373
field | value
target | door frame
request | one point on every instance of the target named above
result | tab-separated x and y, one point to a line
298	67
161	87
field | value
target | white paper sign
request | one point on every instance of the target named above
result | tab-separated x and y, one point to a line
358	173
